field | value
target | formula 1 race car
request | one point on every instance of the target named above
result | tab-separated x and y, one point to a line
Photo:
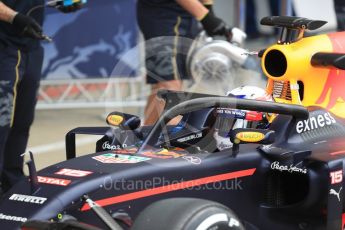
283	169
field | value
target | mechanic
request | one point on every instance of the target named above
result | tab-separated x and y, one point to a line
169	21
21	57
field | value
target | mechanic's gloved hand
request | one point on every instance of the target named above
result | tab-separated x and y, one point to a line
69	9
214	25
27	26
237	35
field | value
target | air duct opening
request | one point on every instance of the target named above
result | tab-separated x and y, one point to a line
275	63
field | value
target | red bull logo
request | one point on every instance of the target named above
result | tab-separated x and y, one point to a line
334	86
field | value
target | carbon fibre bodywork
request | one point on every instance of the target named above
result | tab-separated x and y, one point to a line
293	183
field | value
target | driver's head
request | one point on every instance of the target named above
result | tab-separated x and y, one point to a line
232	118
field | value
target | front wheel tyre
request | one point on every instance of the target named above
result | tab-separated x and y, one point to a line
187	214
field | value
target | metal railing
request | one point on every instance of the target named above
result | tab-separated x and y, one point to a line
96	93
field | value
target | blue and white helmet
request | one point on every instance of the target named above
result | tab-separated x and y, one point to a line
228	119
250	92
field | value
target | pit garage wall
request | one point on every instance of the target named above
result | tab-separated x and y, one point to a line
90	42
79	65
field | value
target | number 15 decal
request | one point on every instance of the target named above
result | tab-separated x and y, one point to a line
336	177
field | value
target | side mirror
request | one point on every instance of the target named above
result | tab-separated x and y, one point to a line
123	121
250	136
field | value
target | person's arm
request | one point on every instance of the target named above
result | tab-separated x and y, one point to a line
208	4
194	7
212	24
6	13
26	25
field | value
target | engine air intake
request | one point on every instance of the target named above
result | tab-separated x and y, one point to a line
275	63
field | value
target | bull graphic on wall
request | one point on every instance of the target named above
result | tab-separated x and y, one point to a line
92	42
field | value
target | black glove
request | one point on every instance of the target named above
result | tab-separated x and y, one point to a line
69	9
27	26
214	25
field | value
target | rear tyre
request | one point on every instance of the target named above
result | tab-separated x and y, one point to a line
186	214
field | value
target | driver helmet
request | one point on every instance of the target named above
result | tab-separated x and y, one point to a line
229	118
